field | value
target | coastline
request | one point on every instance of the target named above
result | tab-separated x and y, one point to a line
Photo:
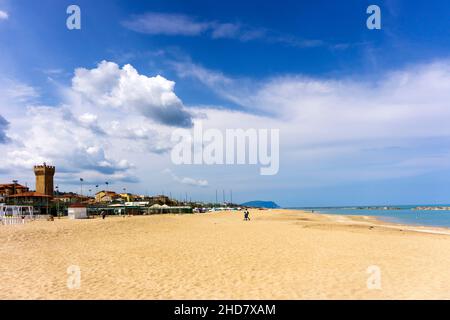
279	254
380	222
392	220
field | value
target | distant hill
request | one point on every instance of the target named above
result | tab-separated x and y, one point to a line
261	204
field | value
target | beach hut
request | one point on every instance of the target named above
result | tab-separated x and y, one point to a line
77	211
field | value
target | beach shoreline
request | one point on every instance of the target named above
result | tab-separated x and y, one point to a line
279	254
380	222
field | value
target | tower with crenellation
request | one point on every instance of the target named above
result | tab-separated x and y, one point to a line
44	179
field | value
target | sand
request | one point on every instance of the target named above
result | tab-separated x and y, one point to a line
279	254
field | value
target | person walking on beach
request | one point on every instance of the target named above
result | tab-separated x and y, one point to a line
246	215
103	215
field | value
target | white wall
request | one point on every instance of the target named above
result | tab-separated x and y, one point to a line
77	213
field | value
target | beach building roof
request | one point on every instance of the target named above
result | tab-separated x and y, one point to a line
12	185
77	205
106	192
30	195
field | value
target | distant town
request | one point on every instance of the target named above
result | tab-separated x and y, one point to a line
50	200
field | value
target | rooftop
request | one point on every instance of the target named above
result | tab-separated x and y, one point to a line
30	195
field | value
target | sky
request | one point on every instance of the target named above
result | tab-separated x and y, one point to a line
362	114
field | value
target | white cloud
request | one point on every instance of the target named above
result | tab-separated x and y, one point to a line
107	119
3	15
187	180
171	24
16	91
327	125
167	24
407	103
110	86
53	136
332	131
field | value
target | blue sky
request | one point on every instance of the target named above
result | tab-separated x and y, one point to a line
362	113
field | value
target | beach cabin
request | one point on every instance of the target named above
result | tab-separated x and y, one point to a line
77	211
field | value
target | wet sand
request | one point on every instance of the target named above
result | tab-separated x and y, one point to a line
279	254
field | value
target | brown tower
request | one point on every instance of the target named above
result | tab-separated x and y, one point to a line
44	179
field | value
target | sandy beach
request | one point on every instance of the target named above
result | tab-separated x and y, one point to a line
279	254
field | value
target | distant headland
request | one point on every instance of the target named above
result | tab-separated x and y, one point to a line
261	204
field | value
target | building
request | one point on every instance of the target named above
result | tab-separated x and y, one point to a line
77	211
11	189
106	196
44	179
127	197
160	199
41	202
70	198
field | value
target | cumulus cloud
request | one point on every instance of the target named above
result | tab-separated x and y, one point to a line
110	86
144	136
187	180
3	15
106	121
54	137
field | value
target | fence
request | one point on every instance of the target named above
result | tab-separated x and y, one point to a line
16	214
10	220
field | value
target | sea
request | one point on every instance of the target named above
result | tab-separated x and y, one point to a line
403	214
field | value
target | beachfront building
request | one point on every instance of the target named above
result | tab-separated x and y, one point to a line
165	209
77	211
70	197
106	196
41	202
10	189
127	197
17	195
160	199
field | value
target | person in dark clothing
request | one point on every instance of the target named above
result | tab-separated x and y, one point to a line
103	215
246	215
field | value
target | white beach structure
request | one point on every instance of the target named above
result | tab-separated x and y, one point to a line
77	211
15	214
